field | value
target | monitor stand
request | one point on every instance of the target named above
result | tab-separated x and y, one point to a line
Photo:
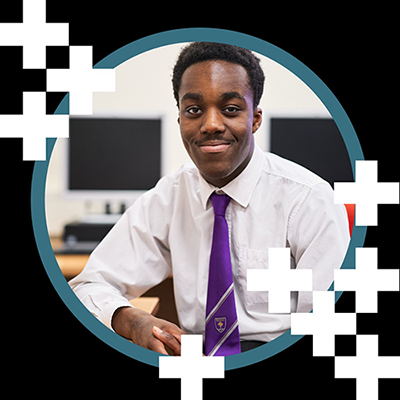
106	218
100	219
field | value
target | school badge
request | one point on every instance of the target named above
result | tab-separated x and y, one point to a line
220	324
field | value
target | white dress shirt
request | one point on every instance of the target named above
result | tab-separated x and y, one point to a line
275	203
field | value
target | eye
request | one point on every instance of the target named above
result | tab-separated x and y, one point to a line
231	110
194	110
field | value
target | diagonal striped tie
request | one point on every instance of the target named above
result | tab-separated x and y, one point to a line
222	328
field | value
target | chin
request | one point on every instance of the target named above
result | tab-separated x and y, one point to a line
218	176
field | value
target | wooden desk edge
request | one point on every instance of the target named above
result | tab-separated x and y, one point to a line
73	264
148	304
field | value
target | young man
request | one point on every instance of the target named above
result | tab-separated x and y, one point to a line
271	202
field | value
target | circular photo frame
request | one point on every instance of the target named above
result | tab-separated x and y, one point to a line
112	61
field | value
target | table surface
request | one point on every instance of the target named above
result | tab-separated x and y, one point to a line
72	264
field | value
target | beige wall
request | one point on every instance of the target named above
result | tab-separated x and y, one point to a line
144	87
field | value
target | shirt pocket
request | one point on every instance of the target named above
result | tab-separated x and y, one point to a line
251	259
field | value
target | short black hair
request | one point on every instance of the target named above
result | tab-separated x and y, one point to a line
205	51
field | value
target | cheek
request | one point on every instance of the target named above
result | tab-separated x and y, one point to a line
185	133
241	126
187	137
242	132
189	128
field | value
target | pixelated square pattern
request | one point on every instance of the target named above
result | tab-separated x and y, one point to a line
81	80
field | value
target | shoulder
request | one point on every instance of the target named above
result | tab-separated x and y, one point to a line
290	172
295	186
187	174
185	178
155	209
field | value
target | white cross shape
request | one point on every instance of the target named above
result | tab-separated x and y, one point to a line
34	126
367	367
366	280
366	193
34	34
279	280
81	80
323	323
191	367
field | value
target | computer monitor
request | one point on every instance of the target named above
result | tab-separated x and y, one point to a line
112	158
314	143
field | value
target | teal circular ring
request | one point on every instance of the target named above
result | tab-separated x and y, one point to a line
113	60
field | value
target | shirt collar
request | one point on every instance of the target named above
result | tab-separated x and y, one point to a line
242	187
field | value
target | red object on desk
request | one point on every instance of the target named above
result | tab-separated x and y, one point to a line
350	208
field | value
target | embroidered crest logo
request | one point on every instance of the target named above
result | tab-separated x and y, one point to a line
220	324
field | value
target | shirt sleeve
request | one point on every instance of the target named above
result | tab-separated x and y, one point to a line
318	236
132	258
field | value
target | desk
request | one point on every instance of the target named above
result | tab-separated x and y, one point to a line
148	304
72	264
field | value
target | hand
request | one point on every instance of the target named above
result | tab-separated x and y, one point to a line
170	338
147	331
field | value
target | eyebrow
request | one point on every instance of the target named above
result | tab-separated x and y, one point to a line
192	96
224	96
232	95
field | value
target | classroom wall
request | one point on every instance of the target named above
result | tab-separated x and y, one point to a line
143	87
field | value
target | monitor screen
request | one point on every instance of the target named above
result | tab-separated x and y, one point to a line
113	154
314	143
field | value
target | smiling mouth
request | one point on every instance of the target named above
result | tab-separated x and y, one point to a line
214	146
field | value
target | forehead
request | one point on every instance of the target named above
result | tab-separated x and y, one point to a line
215	76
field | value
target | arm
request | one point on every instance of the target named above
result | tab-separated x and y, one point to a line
318	236
132	258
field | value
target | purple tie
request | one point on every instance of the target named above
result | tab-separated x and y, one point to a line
222	330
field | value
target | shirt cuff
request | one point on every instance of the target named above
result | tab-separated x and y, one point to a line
109	310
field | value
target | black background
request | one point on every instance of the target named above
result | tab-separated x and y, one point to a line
48	349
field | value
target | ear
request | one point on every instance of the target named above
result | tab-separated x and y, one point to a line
257	119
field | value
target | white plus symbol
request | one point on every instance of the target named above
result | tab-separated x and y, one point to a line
366	280
323	323
366	193
192	367
34	34
367	367
34	126
279	280
81	80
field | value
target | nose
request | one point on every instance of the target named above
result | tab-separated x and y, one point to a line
212	122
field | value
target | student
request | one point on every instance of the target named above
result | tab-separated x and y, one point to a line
270	202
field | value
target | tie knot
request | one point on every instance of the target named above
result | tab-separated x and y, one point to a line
220	202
